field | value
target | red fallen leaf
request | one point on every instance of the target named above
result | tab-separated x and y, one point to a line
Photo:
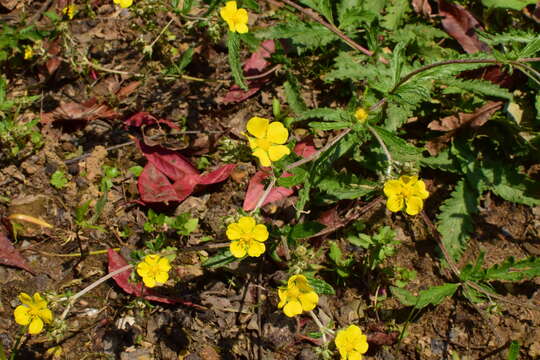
460	24
128	89
305	148
169	162
253	66
217	175
10	256
154	186
116	261
144	118
256	189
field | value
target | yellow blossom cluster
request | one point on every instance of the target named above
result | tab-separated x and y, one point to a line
154	270
237	19
268	139
351	343
408	192
247	237
33	312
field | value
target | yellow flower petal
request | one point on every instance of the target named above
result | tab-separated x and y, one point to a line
151	260
238	248
262	156
164	265
309	300
143	269
256	248
149	281
257	127
292	308
35	326
363	346
394	203
21	315
26	299
260	233
162	277
246	223
253	144
234	232
242	28
420	189
392	188
277	133
276	152
282	293
354	355
46	315
414	205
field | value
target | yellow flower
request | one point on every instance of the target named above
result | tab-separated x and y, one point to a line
28	52
297	297
70	11
351	343
361	115
269	137
237	19
407	191
124	3
154	270
247	237
32	312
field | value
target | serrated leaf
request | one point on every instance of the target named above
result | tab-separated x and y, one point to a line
335	125
400	149
512	270
455	219
481	87
233	45
432	296
443	161
306	35
323	7
292	93
513	351
346	186
404	296
395	13
326	114
320	286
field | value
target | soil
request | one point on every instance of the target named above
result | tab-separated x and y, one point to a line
235	314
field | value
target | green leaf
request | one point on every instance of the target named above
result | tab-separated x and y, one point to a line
59	179
185	59
328	114
346	186
513	351
480	87
233	44
298	177
306	35
395	13
292	93
455	219
320	286
349	66
508	4
335	125
432	296
305	230
512	270
443	161
400	149
219	260
321	6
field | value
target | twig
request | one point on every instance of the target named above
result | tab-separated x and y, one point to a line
265	194
92	286
385	149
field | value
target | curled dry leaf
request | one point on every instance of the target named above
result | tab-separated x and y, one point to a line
87	111
461	24
422	7
452	124
10	256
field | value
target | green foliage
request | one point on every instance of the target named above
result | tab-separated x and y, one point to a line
59	179
221	259
396	11
12	40
508	4
432	296
513	351
455	218
509	270
305	230
320	286
342	265
233	44
306	35
380	246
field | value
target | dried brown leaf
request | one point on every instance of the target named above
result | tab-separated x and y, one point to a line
461	24
86	111
422	7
